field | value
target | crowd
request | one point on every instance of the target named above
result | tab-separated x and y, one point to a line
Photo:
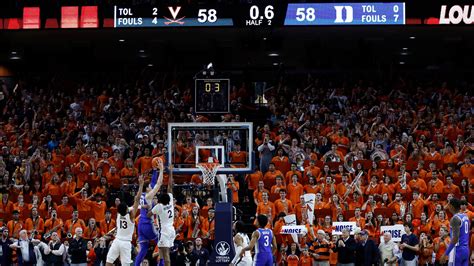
70	154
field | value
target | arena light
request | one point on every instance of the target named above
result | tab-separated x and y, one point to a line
405	48
121	40
273	54
276	64
403	53
412	37
150	65
402	63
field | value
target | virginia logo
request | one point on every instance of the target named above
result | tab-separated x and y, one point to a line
174	11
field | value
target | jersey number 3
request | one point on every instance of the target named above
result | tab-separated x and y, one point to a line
123	225
266	239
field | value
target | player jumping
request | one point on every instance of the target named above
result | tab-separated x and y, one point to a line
264	242
458	249
164	211
122	244
146	230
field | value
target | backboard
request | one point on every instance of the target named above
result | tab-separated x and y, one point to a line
230	144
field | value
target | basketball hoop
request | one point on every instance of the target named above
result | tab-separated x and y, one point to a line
209	171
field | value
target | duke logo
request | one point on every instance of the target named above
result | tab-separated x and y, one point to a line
223	248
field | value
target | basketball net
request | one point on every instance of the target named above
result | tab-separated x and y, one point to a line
209	171
209	174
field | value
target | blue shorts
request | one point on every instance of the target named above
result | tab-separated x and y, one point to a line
146	232
263	259
461	257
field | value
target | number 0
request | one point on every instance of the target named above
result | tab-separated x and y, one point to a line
208	87
395	8
466	228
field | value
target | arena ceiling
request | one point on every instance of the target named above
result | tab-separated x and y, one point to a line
237	49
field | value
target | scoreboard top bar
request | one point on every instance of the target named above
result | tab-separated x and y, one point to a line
35	14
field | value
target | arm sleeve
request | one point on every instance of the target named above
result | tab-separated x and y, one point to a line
155	209
58	252
238	249
154	178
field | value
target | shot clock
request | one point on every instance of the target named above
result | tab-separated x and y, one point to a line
212	95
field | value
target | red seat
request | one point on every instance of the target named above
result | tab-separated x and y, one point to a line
386	212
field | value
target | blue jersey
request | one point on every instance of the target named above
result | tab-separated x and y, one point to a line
144	211
463	230
265	240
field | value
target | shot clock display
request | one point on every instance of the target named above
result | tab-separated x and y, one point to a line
212	95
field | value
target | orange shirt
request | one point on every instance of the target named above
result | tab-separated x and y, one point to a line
442	246
270	177
98	208
253	179
276	188
283	206
292	260
257	195
268	208
453	189
235	191
92	233
314	171
311	189
82	175
6	207
289	174
128	172
67	208
435	187
294	192
238	157
14	228
37	224
68	188
418	184
70	227
144	163
360	222
467	171
51	223
306	260
53	189
282	164
417	207
208	227
432	156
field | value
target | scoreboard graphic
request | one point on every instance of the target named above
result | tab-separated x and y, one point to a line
345	14
34	15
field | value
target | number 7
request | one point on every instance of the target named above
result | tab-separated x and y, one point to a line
396	17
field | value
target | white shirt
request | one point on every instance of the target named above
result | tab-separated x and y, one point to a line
125	227
165	213
25	251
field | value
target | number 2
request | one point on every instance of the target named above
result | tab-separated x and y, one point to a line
267	243
155	11
170	214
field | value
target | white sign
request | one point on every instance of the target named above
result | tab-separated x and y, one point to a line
396	230
293	229
309	200
339	226
291	220
456	15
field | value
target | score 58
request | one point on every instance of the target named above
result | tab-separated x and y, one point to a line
207	15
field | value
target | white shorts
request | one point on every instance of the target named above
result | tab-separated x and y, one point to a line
166	237
120	248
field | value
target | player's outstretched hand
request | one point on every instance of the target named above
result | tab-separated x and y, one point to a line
141	180
160	164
